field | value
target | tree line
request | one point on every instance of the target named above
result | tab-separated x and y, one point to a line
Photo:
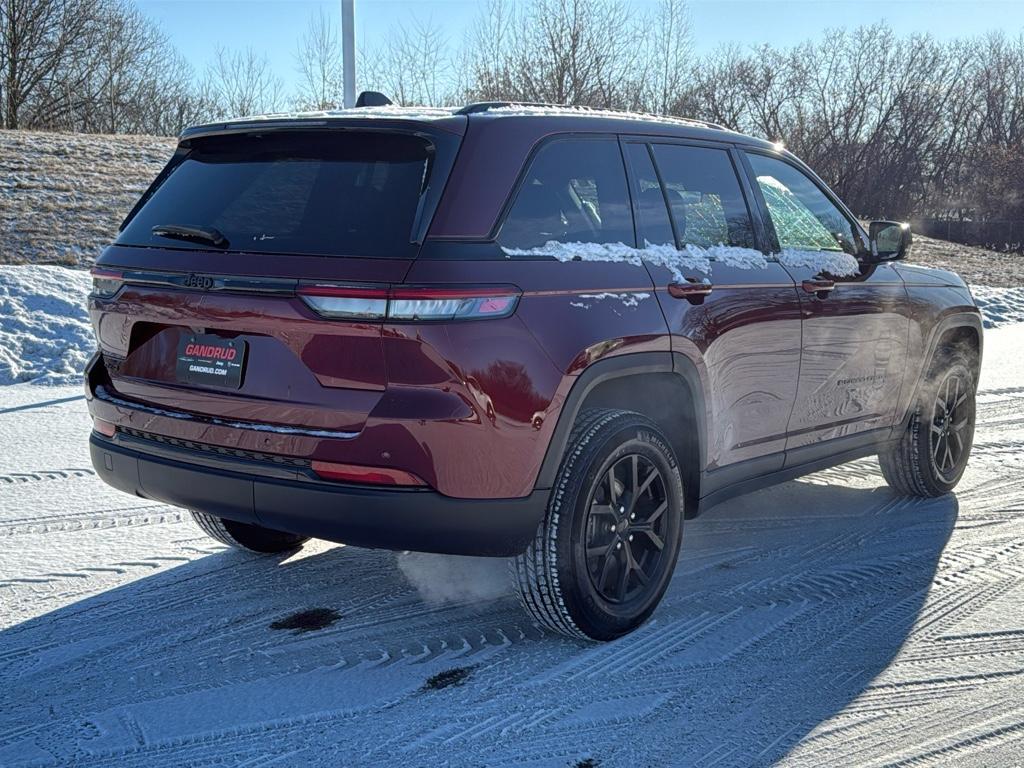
900	126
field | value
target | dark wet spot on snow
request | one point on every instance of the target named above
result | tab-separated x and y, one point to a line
450	677
308	621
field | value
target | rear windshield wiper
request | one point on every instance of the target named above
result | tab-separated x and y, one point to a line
202	234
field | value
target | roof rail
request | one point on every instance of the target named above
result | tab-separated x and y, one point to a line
483	106
708	123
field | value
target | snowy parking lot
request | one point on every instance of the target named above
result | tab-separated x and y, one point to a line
825	621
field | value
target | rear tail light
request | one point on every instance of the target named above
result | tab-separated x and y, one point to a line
355	473
106	282
410	304
346	302
451	303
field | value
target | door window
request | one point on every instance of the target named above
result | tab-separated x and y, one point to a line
705	196
653	225
803	216
574	192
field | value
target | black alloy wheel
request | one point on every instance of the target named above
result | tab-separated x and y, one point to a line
626	529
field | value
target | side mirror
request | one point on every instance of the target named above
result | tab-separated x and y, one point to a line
890	240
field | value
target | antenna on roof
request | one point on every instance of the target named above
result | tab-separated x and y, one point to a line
372	99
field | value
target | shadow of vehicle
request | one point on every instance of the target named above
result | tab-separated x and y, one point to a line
785	606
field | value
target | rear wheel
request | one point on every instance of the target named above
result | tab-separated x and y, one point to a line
605	552
253	538
931	456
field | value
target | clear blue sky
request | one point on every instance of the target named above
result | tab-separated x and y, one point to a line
273	26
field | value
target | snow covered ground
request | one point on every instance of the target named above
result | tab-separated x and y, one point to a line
822	622
45	335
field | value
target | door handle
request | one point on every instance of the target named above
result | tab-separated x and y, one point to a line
820	287
694	292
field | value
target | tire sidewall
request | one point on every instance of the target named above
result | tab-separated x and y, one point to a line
957	363
595	616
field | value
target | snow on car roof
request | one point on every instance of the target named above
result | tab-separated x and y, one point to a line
383	113
495	109
555	110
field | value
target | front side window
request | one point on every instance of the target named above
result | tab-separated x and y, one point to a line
704	195
574	192
803	216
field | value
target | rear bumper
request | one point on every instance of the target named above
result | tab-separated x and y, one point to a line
285	498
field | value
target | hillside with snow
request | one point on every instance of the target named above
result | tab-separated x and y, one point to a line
62	196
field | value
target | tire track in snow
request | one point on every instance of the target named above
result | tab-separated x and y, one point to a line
804	627
45	475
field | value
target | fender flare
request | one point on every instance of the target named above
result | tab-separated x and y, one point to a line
621	366
956	319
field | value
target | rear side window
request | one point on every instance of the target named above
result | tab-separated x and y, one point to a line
574	192
704	195
328	193
804	218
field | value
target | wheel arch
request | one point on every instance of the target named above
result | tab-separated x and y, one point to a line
966	338
665	387
960	329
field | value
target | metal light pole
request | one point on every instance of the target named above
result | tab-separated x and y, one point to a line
348	50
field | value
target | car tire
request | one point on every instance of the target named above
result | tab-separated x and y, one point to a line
929	458
618	495
252	538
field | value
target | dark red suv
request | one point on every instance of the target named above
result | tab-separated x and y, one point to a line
511	330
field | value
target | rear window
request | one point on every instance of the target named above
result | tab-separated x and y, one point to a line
327	193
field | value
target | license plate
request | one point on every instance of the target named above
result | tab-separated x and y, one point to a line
206	359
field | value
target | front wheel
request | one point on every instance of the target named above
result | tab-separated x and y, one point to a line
252	538
931	456
604	554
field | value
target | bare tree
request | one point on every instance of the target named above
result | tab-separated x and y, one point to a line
319	64
240	83
413	66
670	56
37	37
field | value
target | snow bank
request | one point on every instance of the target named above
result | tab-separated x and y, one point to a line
45	335
1000	306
